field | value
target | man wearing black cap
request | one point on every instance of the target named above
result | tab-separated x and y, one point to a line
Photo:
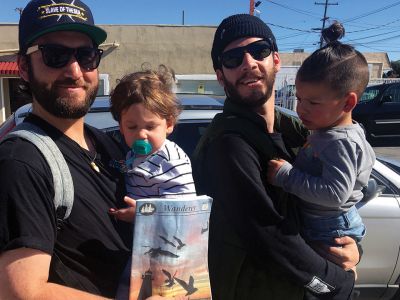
255	250
83	257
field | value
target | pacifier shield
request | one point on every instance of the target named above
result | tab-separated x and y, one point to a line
141	147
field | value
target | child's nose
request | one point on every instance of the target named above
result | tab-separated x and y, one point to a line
143	134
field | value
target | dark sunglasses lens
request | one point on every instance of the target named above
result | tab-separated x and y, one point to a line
259	51
88	58
232	58
56	56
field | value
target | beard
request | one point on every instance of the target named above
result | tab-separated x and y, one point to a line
62	106
256	98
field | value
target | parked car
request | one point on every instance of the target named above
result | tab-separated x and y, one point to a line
379	112
379	269
286	96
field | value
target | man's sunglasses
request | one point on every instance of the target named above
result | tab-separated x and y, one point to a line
258	50
57	56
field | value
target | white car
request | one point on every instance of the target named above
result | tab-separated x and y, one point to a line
379	269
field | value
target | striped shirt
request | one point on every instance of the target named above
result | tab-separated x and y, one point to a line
167	173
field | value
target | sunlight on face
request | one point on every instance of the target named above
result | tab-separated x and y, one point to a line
138	123
319	107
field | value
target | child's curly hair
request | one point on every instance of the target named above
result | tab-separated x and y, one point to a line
151	88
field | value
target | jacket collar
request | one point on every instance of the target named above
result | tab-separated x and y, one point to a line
242	111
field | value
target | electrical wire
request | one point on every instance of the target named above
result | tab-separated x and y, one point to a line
291	28
371	12
373	28
307	13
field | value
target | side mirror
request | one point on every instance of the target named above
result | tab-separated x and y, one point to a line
372	190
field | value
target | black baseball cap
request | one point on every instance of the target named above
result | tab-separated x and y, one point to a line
44	16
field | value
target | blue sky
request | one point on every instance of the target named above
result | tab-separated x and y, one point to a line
371	26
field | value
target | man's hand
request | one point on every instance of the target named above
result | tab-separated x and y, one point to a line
345	254
125	214
273	166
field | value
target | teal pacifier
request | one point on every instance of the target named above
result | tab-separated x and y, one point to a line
141	147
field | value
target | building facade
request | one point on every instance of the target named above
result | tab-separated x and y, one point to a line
129	48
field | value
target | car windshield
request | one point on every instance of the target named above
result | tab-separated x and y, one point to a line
370	93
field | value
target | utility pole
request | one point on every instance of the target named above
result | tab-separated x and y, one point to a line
183	17
324	18
252	7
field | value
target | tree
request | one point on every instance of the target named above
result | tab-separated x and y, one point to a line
395	65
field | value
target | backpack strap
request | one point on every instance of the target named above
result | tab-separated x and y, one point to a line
62	179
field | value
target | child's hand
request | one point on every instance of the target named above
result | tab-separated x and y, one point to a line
125	214
273	166
354	269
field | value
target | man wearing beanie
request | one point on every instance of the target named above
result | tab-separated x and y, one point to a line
255	249
41	256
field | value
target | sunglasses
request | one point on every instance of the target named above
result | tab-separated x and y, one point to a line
258	50
57	56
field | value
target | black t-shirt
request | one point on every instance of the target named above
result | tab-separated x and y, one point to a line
91	249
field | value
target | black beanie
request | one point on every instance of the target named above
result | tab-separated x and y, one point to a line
235	27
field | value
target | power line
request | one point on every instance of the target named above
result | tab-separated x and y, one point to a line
385	39
373	28
300	11
371	12
290	28
371	36
377	49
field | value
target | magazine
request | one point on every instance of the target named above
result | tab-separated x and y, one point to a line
170	247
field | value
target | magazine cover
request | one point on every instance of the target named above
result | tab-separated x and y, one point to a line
170	245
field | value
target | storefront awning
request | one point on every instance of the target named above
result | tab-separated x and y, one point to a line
8	68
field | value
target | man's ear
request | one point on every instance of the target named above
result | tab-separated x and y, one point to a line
220	77
277	61
23	67
351	102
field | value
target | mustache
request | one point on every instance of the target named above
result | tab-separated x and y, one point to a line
249	75
71	82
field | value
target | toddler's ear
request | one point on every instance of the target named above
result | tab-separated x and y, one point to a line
170	126
351	102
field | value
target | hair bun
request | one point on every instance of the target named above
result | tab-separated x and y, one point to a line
333	33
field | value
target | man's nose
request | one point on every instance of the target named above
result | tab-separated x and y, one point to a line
73	69
248	61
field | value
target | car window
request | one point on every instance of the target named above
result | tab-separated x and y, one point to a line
369	94
186	134
392	94
388	189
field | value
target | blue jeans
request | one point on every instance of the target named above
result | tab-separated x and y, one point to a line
327	228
